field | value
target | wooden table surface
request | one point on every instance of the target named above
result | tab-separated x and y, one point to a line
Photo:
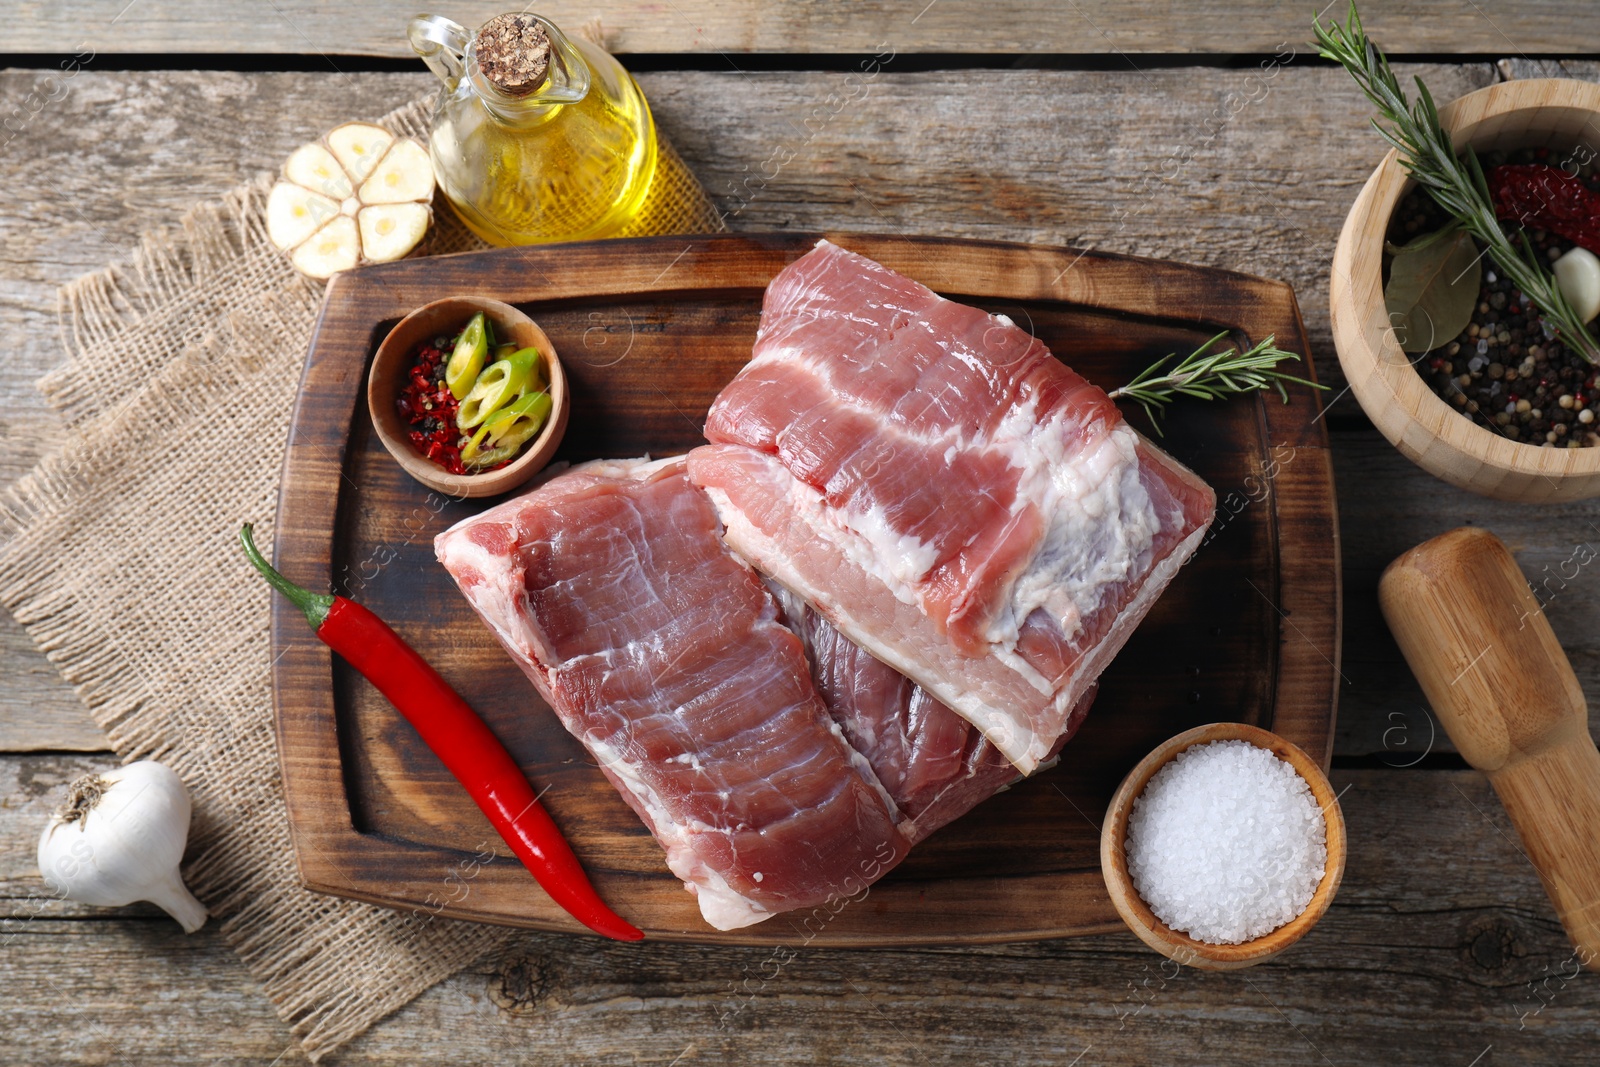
1205	132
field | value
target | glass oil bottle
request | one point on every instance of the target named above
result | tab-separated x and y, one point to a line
536	136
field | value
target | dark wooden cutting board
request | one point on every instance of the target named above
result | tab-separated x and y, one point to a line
649	330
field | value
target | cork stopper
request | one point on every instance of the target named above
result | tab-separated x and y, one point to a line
514	53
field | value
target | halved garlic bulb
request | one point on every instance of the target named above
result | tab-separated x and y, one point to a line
359	195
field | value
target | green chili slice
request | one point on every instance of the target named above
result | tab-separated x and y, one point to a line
507	431
472	348
501	383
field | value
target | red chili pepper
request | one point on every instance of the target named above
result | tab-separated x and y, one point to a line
461	740
1547	198
429	408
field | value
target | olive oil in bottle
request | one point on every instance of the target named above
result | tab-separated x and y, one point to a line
536	137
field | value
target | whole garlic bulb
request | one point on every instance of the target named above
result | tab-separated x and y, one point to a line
118	839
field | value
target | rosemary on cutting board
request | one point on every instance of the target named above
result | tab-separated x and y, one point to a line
1456	183
1211	375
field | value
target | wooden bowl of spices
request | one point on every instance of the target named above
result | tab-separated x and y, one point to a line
1556	114
1235	835
392	407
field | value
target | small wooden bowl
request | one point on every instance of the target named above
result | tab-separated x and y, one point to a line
1550	112
390	366
1137	914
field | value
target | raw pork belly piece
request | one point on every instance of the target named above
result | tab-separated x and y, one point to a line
665	656
934	764
947	493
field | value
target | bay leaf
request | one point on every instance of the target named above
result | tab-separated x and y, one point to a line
1433	287
1417	244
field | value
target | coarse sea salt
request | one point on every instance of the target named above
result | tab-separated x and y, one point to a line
1226	843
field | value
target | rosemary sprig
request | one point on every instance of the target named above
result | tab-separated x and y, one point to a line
1456	183
1211	375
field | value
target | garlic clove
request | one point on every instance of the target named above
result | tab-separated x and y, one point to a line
335	247
295	213
315	168
406	173
119	839
1578	275
389	231
359	146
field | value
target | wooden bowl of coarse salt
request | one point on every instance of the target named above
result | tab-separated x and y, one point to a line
1223	846
1532	113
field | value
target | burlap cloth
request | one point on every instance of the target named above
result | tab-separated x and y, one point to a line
120	559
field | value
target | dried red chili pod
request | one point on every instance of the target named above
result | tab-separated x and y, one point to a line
1539	196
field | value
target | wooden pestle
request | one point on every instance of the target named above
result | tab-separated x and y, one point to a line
1479	643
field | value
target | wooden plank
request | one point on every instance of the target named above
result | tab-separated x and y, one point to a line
1440	944
370	27
37	709
1382	710
1522	67
1136	154
142	149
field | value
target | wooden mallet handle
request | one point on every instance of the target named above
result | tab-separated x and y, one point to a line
1479	643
